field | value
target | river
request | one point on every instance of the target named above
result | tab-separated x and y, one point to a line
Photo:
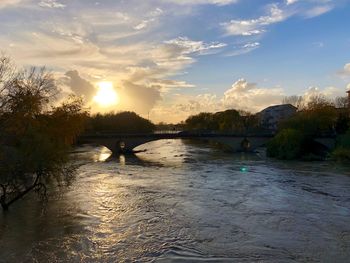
183	201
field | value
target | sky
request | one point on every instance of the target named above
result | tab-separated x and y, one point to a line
168	59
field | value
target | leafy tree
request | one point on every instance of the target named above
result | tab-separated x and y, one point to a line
202	121
227	121
35	134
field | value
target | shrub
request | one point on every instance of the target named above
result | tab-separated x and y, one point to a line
287	145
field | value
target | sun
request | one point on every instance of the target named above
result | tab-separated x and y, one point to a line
106	95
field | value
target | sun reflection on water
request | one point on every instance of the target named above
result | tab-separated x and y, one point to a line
103	155
122	159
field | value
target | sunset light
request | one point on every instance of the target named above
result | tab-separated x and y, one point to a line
106	95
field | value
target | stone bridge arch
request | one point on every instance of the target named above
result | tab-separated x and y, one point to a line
126	144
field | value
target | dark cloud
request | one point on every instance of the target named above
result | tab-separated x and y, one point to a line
79	85
138	98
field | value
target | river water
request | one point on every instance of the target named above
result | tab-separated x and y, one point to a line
181	201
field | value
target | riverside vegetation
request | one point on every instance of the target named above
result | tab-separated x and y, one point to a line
317	118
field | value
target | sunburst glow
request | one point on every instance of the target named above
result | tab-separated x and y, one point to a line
106	95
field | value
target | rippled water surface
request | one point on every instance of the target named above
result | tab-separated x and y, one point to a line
185	202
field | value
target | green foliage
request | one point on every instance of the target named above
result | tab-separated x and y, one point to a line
122	122
287	144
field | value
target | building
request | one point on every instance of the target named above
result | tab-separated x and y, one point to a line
273	115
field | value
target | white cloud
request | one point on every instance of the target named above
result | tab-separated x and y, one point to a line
328	92
347	68
170	57
51	4
254	26
241	96
318	10
167	84
201	2
290	2
244	49
345	72
248	96
152	16
143	24
190	46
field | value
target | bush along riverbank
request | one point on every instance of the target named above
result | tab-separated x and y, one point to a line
290	144
342	151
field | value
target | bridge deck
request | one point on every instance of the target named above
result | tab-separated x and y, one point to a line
174	135
120	143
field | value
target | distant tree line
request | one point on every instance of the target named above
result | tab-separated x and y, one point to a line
229	121
120	122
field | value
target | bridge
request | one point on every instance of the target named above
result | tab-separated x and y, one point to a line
126	143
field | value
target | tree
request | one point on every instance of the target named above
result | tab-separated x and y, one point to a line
231	121
227	121
35	134
250	121
201	122
317	119
317	102
341	102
